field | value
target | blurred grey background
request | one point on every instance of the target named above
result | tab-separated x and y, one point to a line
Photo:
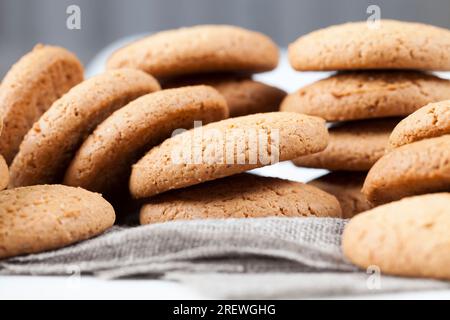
24	23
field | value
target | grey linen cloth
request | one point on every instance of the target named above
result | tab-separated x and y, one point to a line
233	258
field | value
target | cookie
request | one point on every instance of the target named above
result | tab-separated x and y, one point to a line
353	146
433	120
103	162
416	168
346	187
198	49
243	95
29	89
49	146
4	173
39	218
405	238
225	148
362	45
241	196
367	94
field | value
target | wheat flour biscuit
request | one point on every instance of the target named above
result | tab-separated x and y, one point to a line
360	45
416	168
4	173
103	162
39	218
49	146
346	187
432	120
241	196
405	238
225	148
367	94
29	89
243	95
353	146
198	49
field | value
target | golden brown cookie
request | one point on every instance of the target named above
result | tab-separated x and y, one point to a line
243	95
360	45
241	196
416	168
49	146
29	89
4	173
198	49
346	187
367	94
103	162
353	146
45	217
433	120
225	148
405	238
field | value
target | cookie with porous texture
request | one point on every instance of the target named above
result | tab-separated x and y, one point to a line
225	148
39	218
241	196
29	89
405	238
433	120
353	146
346	187
367	94
198	49
243	95
51	143
103	162
416	168
4	173
387	44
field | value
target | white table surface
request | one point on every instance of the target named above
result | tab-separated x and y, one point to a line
85	287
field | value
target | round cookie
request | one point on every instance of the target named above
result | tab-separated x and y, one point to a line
39	218
243	95
346	187
433	120
4	173
29	89
367	94
103	162
353	146
198	49
362	45
416	168
49	146
241	196
225	148
405	238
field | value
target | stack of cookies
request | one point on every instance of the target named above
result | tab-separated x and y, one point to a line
375	86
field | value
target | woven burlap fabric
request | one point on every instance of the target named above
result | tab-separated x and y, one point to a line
234	250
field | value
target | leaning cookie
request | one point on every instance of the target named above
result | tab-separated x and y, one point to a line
49	146
405	238
353	146
243	95
385	44
241	196
346	187
225	148
103	162
39	218
416	168
432	120
29	89
4	173
367	94
205	48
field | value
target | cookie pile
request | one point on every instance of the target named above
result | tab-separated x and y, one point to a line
381	77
